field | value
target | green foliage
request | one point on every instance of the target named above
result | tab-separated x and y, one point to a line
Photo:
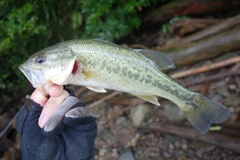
17	26
111	19
166	27
30	25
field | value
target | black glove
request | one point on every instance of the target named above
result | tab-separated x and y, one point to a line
70	132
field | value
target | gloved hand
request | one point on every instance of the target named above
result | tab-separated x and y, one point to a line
68	134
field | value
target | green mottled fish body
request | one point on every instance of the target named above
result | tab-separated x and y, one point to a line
98	64
124	70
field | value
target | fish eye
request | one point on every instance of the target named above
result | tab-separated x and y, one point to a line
40	60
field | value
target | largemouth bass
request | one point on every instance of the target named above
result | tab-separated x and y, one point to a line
101	65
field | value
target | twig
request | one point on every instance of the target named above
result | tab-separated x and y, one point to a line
80	91
236	67
210	78
103	99
196	88
211	137
121	99
206	68
11	122
205	87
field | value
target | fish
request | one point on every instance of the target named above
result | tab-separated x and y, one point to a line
100	65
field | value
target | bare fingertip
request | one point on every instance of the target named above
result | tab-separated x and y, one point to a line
43	120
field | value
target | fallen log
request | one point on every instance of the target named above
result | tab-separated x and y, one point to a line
190	53
185	7
214	29
190	25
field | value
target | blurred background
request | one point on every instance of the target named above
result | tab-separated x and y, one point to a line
202	38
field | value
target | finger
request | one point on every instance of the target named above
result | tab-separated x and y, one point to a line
55	90
51	105
38	97
53	124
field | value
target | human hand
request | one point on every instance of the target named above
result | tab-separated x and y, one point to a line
57	96
68	133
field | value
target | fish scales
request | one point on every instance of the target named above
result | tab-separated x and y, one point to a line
101	64
133	75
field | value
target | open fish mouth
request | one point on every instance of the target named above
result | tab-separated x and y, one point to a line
34	76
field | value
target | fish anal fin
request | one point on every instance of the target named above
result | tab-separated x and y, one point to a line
150	98
161	60
97	89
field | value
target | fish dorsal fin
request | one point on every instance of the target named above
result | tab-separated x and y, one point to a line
161	60
150	98
97	89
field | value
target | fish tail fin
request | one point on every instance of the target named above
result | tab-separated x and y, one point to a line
204	113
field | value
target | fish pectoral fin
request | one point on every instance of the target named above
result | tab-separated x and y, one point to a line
161	60
150	98
97	89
